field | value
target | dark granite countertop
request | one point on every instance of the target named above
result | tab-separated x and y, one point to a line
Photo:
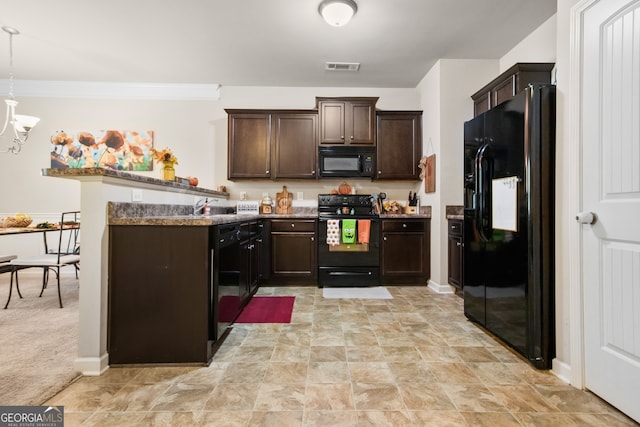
405	216
454	212
122	213
87	174
424	212
201	220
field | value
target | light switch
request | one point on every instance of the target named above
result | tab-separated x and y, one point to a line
136	195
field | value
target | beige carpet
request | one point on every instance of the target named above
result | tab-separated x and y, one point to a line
38	339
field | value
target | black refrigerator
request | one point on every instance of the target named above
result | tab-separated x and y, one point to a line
508	258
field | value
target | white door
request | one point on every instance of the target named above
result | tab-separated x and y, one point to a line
611	189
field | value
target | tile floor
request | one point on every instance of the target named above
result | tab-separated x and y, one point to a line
410	361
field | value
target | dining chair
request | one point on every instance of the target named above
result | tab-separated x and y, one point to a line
5	266
67	252
71	244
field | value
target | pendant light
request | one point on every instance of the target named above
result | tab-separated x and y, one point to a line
17	125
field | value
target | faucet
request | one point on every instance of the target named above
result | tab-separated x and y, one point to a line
199	205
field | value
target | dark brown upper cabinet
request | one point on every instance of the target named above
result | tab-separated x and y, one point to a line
295	145
272	144
249	144
509	83
399	146
347	121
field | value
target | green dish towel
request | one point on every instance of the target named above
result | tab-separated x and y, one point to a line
348	231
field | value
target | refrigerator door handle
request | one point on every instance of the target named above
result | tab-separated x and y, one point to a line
484	174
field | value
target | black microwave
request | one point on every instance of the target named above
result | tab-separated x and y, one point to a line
347	161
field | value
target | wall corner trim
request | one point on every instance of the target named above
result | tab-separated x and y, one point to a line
441	289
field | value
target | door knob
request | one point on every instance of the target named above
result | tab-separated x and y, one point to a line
587	218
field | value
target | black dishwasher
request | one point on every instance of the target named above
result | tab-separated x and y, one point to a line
227	262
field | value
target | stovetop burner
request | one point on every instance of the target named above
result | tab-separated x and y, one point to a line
344	200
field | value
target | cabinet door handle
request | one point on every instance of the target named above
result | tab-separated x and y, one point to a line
379	172
341	136
352	137
453	227
404	225
292	225
313	239
458	244
267	171
384	238
313	172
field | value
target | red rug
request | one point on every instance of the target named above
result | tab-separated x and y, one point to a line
267	310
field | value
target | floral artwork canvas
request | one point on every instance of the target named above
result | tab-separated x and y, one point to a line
110	149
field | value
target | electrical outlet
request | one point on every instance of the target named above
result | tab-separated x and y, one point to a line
136	195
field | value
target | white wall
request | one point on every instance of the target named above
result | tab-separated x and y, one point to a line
430	92
539	46
304	98
185	126
445	96
565	363
195	130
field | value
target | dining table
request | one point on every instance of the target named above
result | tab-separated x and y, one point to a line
33	229
5	267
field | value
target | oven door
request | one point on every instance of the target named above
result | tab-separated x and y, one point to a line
349	264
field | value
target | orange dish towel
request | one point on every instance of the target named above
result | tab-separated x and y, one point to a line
364	230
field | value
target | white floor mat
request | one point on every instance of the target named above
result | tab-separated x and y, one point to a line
378	292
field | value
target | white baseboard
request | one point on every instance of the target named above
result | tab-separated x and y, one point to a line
561	370
92	366
441	289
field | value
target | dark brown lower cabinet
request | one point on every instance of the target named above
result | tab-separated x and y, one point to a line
293	251
251	247
455	253
160	293
405	254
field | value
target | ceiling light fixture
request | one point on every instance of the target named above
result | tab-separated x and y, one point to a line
21	124
337	12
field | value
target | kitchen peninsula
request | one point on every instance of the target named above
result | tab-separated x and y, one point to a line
155	257
98	187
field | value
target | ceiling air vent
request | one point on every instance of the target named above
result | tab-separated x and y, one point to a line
342	66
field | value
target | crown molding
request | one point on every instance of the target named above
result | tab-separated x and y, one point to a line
112	90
